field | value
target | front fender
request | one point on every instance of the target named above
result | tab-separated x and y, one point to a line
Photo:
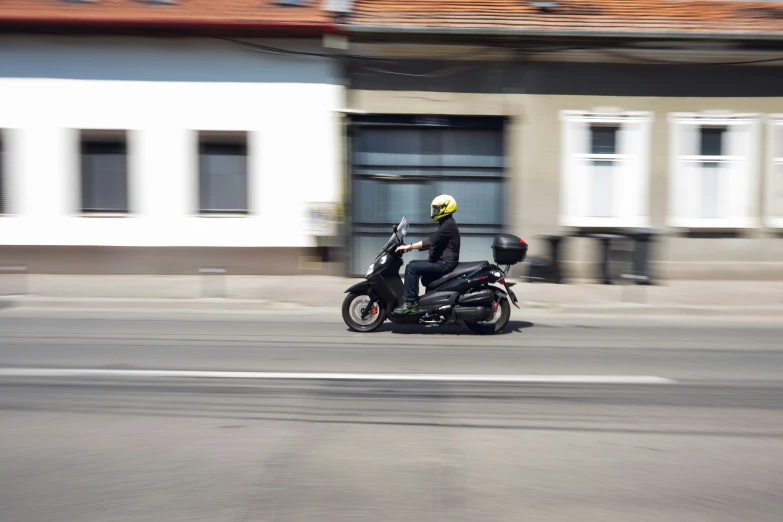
498	289
359	288
508	293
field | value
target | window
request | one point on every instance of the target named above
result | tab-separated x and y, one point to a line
104	172
223	173
713	174
3	195
774	185
605	169
604	163
711	152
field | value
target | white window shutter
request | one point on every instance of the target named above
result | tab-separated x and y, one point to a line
684	176
774	188
734	176
575	179
738	179
631	177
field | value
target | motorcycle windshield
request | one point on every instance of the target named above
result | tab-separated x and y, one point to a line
402	228
396	238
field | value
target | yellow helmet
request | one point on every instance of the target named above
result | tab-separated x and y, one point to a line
442	206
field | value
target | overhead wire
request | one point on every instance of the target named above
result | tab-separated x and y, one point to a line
619	54
613	51
268	49
448	71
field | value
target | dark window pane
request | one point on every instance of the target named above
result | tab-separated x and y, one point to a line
477	200
712	141
603	139
472	148
104	176
223	177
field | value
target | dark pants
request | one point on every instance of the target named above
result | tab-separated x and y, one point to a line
428	271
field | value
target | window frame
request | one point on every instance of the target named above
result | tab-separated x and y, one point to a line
594	156
745	164
591	158
206	137
637	174
84	135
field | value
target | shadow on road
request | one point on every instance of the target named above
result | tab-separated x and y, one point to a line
416	329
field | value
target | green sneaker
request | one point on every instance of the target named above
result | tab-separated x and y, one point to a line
409	307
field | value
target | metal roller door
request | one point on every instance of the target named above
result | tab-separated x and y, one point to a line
400	163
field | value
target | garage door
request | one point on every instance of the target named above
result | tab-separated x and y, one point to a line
400	163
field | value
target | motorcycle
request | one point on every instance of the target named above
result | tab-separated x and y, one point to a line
475	293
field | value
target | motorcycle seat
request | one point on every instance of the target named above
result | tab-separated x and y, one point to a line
459	270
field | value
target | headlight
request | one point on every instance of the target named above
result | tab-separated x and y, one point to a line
377	264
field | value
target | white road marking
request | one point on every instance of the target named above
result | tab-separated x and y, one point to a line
314	376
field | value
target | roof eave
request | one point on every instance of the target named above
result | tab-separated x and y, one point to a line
502	32
165	27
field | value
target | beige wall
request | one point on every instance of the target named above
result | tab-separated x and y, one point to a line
533	151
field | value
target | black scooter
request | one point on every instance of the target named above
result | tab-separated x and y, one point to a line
469	293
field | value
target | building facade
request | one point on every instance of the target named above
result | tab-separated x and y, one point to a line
145	140
158	153
624	117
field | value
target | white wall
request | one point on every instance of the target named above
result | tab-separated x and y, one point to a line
163	92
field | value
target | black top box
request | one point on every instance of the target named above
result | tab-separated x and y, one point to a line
508	249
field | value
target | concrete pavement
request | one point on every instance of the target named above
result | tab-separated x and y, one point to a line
707	447
685	349
185	451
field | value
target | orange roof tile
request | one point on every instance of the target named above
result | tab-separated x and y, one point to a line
638	16
52	12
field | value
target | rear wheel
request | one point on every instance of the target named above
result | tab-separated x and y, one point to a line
352	313
497	321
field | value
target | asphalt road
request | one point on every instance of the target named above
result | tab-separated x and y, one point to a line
706	445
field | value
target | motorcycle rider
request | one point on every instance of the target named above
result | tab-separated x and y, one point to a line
443	246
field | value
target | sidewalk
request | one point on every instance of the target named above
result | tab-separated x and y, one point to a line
316	293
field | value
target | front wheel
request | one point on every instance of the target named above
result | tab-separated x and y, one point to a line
496	322
352	313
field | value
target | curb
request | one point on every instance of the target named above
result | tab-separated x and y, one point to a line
655	310
101	304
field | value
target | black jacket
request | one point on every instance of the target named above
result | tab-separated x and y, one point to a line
444	243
